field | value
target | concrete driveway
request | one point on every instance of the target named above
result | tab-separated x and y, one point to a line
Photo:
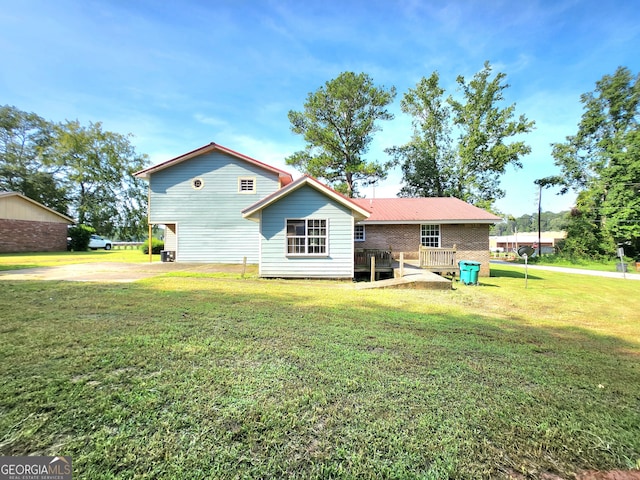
576	271
115	272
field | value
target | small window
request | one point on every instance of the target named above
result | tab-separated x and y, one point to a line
358	233
246	185
197	184
307	237
430	235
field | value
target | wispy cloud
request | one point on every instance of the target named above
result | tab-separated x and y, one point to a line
178	76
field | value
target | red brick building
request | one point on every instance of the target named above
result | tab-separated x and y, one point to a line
28	226
404	224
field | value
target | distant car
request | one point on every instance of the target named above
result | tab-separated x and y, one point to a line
97	242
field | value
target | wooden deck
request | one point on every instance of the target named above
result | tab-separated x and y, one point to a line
382	262
411	274
439	259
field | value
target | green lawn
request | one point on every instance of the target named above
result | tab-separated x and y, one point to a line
14	261
221	377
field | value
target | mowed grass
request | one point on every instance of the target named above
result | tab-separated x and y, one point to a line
208	377
16	261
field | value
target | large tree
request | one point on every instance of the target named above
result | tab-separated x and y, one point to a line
469	166
601	162
427	161
24	139
84	172
98	168
338	123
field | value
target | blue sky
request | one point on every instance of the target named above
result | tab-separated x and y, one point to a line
180	74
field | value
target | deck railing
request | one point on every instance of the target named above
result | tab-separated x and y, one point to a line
362	259
437	259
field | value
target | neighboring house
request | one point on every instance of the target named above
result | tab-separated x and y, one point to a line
405	224
205	199
511	243
198	196
306	230
29	226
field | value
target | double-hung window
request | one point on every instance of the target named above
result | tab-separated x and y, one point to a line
358	233
430	235
307	237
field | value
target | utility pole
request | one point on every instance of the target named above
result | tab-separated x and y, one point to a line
546	183
539	220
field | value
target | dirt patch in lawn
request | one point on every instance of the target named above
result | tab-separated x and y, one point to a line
117	272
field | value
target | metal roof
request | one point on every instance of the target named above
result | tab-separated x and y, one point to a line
423	210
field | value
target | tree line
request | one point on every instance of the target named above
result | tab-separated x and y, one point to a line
549	222
78	170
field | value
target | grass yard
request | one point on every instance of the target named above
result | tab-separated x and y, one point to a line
15	261
221	377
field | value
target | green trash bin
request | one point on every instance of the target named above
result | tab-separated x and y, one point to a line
469	271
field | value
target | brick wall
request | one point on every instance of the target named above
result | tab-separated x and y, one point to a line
472	241
27	236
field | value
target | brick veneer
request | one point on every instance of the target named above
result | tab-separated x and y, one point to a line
29	236
471	240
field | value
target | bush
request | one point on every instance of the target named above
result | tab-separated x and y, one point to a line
156	246
80	236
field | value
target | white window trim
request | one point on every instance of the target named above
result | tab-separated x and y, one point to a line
247	192
306	226
364	233
431	236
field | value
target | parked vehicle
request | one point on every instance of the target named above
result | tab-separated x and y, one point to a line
97	242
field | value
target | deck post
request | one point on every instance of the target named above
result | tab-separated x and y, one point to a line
373	268
401	264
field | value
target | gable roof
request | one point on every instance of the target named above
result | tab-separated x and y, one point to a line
424	210
285	178
359	211
37	204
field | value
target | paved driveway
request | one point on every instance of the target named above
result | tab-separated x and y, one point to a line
114	272
577	271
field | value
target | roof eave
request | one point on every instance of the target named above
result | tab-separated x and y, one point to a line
38	204
447	221
357	211
285	177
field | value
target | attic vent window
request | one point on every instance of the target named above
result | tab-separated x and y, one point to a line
246	185
197	183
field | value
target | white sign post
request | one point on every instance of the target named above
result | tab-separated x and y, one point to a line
622	265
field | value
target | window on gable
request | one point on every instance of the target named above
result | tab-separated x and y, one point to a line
430	235
246	185
358	233
307	237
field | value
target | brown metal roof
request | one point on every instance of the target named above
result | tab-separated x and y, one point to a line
420	210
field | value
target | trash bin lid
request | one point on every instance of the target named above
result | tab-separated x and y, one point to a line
469	262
